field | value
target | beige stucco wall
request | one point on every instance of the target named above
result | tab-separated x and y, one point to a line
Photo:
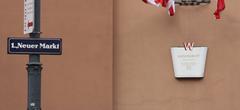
143	72
81	78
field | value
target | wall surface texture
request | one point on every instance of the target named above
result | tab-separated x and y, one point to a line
143	72
81	78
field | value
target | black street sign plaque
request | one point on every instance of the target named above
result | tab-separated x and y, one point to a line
43	46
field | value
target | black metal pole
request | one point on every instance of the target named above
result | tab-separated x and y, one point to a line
34	66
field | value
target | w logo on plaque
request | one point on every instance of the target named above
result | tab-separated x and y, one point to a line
188	45
189	61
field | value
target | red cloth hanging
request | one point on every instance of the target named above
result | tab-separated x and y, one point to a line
220	7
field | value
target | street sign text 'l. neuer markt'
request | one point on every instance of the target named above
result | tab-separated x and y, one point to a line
34	46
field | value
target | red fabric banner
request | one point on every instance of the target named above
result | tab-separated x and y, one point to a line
220	7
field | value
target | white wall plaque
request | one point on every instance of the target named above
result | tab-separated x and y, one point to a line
28	16
189	63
